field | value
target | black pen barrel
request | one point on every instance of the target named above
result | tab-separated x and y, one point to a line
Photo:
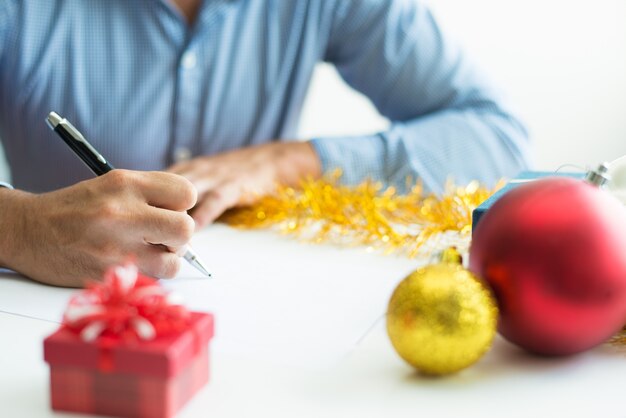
85	154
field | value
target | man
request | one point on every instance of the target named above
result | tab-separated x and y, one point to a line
210	91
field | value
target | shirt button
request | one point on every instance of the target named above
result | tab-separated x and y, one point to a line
189	60
182	154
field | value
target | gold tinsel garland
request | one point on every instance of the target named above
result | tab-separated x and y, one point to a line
326	211
619	339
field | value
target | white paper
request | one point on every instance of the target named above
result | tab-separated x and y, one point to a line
273	298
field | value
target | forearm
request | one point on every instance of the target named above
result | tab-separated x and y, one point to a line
463	144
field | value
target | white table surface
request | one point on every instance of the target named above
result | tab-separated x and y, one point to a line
370	381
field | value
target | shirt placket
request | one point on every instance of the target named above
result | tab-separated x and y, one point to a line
191	72
187	101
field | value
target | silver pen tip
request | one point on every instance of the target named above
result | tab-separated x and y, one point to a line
53	120
198	265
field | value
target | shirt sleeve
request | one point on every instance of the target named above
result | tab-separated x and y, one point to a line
6	20
448	121
4	23
3	26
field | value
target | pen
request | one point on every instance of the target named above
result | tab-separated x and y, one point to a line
99	165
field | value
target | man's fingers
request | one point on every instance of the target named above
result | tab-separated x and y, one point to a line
157	261
169	228
204	184
163	190
170	191
214	203
181	168
200	175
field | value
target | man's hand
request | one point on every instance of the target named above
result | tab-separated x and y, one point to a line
67	236
241	176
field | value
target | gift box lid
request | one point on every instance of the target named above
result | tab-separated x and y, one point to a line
522	178
162	357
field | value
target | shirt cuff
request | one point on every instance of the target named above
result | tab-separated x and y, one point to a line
5	185
358	158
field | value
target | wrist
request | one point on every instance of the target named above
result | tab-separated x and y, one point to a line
298	162
12	222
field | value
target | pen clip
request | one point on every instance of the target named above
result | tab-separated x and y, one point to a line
80	138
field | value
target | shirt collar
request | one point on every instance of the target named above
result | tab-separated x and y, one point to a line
204	14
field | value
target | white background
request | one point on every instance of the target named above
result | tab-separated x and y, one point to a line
563	62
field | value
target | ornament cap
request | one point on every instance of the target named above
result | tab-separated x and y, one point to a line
451	255
600	176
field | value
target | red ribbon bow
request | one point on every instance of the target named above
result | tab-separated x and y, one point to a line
127	306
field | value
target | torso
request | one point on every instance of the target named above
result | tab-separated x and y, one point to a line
118	70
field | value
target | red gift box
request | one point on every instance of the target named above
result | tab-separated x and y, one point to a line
128	377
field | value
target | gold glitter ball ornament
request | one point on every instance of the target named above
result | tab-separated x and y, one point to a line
441	318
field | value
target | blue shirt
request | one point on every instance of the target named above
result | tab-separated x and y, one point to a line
147	89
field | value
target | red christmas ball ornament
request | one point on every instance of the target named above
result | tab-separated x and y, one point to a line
554	252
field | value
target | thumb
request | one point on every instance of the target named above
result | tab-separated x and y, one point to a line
214	203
